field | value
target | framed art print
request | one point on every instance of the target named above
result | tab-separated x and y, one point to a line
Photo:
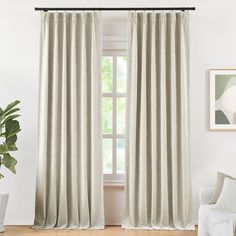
223	99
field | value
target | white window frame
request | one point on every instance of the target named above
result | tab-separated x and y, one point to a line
114	177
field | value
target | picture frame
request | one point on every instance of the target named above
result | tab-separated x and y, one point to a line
222	99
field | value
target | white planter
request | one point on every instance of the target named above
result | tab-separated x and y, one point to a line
3	206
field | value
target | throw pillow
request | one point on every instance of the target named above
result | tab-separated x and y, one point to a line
219	186
226	201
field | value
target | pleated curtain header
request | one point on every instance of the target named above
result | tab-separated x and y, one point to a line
155	15
74	16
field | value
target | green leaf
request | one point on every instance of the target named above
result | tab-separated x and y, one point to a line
9	127
11	105
12	127
17	131
3	148
12	148
2	117
11	117
11	140
11	111
9	162
1	113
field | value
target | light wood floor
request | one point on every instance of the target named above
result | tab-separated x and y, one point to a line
109	231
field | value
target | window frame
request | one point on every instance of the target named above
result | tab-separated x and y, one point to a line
114	177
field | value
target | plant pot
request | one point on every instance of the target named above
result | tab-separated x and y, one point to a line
3	206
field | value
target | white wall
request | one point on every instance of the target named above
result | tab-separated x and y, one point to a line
213	45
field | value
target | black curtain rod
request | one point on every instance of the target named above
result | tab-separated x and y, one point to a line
115	9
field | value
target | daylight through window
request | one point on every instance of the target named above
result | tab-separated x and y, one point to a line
114	78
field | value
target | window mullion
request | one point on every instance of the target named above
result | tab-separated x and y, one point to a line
107	94
121	95
114	113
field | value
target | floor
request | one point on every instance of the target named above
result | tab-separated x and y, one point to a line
109	231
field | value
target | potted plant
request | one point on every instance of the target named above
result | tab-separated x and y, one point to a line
9	127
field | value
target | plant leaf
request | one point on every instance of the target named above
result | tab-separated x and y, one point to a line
11	140
2	117
17	131
9	162
12	148
11	105
9	127
3	148
11	117
12	127
11	111
1	114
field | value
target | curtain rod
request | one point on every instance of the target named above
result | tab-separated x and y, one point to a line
115	9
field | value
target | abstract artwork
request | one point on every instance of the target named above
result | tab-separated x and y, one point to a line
223	99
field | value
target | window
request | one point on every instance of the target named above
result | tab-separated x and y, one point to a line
114	78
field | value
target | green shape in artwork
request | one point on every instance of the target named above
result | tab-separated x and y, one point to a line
221	118
222	83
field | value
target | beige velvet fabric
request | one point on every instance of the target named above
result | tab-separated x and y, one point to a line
69	190
158	182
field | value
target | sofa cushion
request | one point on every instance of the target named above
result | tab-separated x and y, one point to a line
226	201
218	217
213	221
220	229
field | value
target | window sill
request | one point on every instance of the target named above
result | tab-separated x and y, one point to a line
120	184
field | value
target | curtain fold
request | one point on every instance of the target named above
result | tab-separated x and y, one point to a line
69	190
158	182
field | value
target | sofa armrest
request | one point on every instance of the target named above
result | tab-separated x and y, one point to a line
205	195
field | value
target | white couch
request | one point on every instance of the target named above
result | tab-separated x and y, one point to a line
212	222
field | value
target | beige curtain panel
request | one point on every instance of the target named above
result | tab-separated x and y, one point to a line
158	183
69	190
